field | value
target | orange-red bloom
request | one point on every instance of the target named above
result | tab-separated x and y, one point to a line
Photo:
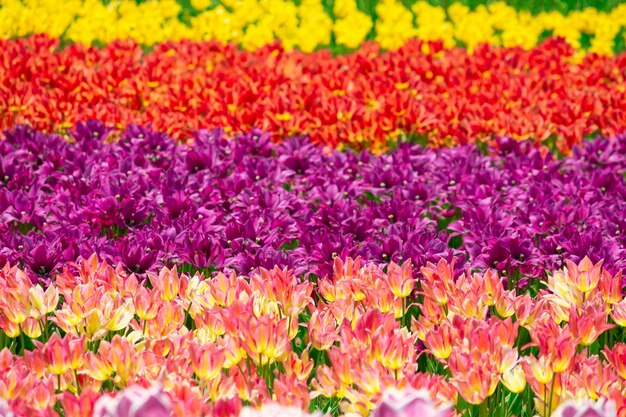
363	100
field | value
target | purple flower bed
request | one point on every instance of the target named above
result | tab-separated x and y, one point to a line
145	201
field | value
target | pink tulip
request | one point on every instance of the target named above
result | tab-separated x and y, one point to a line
586	408
134	401
276	410
409	403
5	410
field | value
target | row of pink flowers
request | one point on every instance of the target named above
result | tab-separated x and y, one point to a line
220	343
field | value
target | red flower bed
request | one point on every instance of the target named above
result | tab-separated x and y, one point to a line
367	99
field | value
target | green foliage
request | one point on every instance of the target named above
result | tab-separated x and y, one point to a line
291	245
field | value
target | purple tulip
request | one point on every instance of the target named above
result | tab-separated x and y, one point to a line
276	410
586	408
134	401
146	201
5	410
409	403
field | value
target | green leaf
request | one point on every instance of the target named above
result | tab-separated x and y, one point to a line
291	245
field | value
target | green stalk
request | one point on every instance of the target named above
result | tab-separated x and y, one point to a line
78	390
499	399
22	341
545	401
551	394
526	396
483	409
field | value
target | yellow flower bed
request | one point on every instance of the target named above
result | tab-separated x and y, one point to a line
307	26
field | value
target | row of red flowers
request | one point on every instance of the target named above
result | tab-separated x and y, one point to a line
367	99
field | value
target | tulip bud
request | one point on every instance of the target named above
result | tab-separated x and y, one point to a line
514	379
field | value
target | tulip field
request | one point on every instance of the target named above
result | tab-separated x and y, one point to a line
312	208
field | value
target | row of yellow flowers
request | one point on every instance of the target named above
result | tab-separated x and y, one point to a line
307	26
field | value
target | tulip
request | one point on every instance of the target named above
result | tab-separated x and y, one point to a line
617	358
134	401
276	410
5	410
409	403
514	379
586	408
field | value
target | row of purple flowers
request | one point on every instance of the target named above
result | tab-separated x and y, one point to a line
143	200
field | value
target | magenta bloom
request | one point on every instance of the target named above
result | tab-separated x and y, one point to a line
586	408
409	403
134	401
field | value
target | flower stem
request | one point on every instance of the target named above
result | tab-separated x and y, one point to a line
78	390
545	401
551	395
22	341
483	409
